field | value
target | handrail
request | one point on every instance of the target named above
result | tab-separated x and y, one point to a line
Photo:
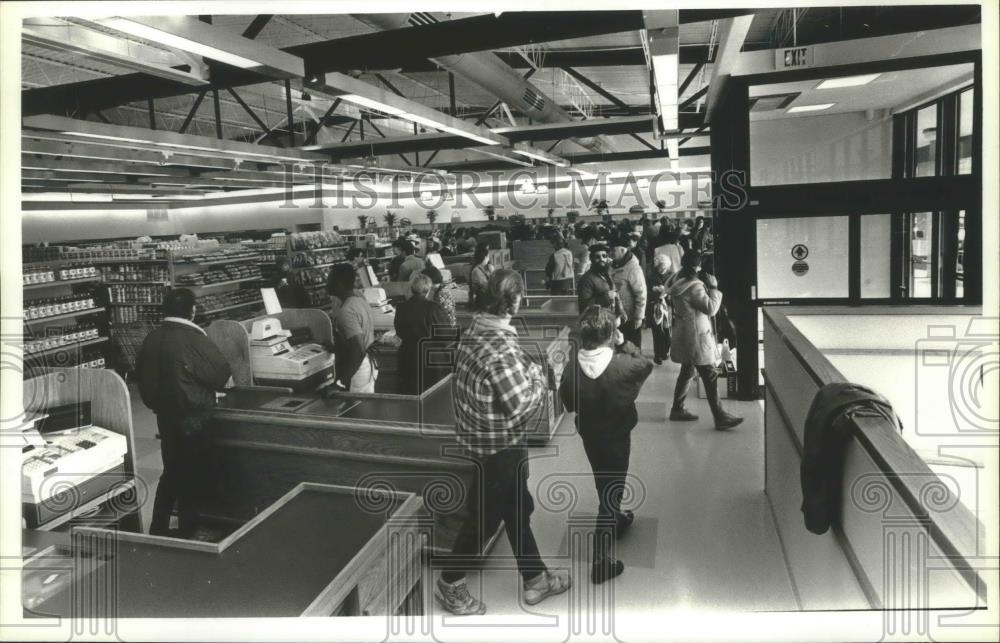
960	540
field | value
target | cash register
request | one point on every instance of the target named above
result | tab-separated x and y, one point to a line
275	361
374	294
77	461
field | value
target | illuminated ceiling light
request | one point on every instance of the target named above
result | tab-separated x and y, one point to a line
153	34
847	81
542	189
426	195
372	104
661	45
809	108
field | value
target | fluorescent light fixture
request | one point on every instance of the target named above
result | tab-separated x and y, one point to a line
372	104
809	108
665	73
847	81
146	32
428	122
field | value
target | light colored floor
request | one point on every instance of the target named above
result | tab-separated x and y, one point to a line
703	536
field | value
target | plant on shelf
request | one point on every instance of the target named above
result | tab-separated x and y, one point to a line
432	216
362	222
390	223
661	205
490	213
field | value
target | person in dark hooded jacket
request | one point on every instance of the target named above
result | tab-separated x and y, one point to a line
601	386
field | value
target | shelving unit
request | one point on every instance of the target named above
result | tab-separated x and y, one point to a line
45	329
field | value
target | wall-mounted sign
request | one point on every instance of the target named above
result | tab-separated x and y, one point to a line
793	58
800	268
800	251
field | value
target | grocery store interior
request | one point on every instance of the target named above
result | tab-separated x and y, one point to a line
826	162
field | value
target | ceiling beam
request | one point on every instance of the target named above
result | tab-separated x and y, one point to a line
732	35
573	129
256	26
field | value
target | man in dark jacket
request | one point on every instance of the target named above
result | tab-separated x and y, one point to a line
596	285
601	387
416	320
179	371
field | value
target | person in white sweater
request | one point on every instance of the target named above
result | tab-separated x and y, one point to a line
630	282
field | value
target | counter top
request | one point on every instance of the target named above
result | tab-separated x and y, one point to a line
275	565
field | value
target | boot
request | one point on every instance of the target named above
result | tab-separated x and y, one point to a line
682	415
724	421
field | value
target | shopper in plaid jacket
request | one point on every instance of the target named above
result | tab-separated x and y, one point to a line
497	393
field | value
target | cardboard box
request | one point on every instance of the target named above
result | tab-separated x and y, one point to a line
726	381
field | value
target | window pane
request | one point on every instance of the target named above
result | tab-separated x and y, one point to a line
875	265
965	100
920	254
960	258
802	257
926	141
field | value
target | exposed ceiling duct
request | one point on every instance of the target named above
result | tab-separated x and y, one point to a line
492	74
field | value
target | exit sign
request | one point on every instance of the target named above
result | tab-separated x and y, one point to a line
793	58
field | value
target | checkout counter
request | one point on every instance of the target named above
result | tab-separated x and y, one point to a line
269	440
311	549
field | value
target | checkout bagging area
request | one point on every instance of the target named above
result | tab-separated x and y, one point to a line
360	489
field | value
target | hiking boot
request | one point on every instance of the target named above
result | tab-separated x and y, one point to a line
682	415
544	585
455	598
606	570
726	421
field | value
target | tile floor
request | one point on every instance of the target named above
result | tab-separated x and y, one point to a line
703	537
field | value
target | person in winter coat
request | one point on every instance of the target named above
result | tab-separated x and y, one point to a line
693	344
559	269
669	246
601	386
417	319
631	286
659	315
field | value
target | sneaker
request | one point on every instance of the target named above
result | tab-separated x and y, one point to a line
726	421
627	518
455	598
544	585
605	571
682	415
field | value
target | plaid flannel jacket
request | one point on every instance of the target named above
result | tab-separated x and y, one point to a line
497	390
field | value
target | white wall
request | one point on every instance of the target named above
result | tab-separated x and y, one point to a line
342	210
815	149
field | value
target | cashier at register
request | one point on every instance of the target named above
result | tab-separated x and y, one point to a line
179	371
353	331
